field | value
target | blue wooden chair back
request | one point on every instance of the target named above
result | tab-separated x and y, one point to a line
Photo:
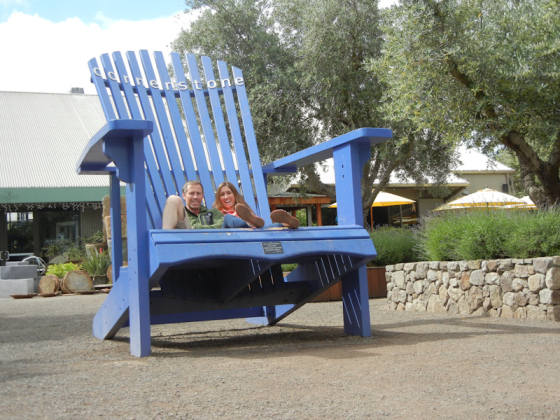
193	138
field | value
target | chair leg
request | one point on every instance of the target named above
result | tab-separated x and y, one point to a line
139	318
113	314
355	298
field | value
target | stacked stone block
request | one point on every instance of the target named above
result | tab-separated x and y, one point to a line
509	288
18	278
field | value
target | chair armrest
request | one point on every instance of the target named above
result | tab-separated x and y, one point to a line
94	159
324	150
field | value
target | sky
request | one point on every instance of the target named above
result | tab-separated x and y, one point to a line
45	44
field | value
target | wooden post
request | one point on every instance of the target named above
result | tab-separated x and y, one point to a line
309	215
116	227
3	230
319	216
36	241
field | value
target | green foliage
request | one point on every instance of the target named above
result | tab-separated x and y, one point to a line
393	246
75	251
95	238
487	234
486	72
96	262
286	268
58	247
60	270
535	235
305	68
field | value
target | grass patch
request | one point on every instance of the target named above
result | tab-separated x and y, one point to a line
286	268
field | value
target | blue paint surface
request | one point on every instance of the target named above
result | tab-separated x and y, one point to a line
221	273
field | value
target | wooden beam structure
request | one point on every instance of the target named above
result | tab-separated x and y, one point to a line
291	203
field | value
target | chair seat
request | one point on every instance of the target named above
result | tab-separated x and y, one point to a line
205	247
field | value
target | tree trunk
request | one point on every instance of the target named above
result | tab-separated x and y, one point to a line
76	281
531	165
49	284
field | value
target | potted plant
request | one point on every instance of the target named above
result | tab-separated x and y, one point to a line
96	262
60	270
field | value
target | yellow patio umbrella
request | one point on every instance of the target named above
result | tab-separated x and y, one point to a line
486	198
385	199
527	205
447	207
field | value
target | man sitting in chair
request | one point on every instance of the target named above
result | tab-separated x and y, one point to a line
195	216
192	216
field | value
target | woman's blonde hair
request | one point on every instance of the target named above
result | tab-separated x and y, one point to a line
238	197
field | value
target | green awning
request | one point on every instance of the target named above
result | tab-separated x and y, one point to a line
53	195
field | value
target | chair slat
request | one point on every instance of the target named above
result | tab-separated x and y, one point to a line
160	154
162	119
99	82
155	175
118	100
194	134
177	121
180	78
219	121
205	121
244	175
251	141
123	113
154	211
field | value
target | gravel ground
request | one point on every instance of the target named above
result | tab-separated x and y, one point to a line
415	366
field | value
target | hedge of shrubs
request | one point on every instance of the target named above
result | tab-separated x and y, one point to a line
488	235
393	245
471	235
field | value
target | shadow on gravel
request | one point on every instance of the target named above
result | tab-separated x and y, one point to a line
21	371
325	342
473	322
45	327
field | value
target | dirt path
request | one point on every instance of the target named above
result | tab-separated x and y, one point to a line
415	366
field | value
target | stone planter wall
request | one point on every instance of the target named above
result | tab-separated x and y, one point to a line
510	288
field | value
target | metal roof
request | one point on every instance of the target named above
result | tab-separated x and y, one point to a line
473	161
42	136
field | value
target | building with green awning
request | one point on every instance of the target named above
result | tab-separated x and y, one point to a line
42	198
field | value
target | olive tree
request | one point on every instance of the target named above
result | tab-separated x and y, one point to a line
306	69
486	72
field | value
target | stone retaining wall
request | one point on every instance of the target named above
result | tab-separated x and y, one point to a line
528	288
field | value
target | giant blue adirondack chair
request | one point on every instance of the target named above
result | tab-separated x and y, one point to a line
162	131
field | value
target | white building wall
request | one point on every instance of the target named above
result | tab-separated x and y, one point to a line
492	181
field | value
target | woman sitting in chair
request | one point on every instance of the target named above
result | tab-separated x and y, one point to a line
237	214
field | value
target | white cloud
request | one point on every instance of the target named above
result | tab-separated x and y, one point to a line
42	56
10	2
